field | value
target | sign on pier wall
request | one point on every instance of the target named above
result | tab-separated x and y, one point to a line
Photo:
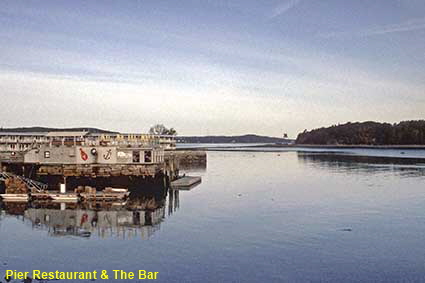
89	155
107	155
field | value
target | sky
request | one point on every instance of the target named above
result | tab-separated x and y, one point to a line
211	67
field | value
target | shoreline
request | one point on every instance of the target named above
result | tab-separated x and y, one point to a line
291	146
352	146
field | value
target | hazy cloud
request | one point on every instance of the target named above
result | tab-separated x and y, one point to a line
284	7
409	25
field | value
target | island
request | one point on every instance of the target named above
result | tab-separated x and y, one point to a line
366	133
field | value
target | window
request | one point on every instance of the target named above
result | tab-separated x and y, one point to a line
136	156
148	156
47	154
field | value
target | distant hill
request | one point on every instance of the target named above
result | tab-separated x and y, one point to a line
46	129
232	139
367	133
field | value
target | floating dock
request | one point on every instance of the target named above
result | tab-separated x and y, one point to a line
108	194
15	197
104	196
67	197
186	182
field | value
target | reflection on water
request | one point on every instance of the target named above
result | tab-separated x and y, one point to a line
359	151
139	216
405	167
197	167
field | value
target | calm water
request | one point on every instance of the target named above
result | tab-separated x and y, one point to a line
256	217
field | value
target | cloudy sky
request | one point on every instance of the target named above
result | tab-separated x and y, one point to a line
212	66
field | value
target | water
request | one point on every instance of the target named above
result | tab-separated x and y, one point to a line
397	153
216	145
256	217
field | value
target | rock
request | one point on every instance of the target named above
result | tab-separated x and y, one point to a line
346	230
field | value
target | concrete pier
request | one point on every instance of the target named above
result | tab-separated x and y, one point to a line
187	158
102	175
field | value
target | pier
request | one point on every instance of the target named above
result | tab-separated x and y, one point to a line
53	165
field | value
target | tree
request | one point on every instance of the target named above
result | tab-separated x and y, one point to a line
172	132
160	129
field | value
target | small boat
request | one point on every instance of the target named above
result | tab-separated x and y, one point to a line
41	196
110	196
71	231
115	190
15	197
64	197
119	203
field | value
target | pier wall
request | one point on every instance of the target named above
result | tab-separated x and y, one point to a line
188	158
115	175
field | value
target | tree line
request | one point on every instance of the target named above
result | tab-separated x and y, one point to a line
367	133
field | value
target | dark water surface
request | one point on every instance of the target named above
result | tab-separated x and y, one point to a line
256	217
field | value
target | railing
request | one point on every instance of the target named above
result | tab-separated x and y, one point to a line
144	140
38	186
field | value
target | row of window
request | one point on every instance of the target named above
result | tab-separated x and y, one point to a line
28	139
147	157
18	146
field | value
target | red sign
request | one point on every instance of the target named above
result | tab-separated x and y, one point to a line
84	155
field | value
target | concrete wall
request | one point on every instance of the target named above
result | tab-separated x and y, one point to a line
93	155
48	155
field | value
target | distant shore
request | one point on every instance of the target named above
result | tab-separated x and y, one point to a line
289	146
407	146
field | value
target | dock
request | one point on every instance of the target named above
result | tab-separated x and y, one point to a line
80	194
186	182
15	197
52	165
64	197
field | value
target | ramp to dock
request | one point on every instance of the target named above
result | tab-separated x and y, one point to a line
35	185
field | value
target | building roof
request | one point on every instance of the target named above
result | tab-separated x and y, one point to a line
22	134
66	134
